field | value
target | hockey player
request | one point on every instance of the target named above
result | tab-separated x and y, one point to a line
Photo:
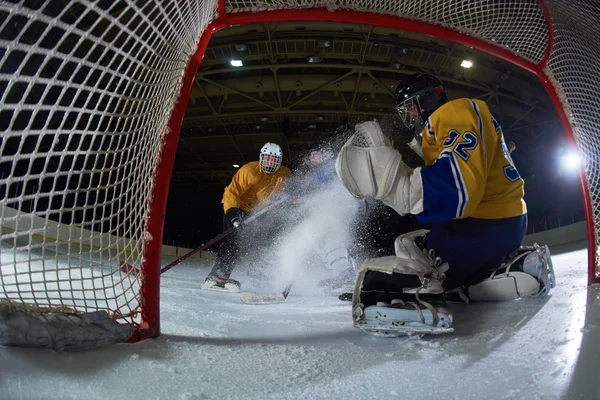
252	185
469	192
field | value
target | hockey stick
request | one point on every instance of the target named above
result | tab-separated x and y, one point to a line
221	236
198	249
265	298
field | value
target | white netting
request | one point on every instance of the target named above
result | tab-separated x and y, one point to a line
573	67
86	92
87	88
518	25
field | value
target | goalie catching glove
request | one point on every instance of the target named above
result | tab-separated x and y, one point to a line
370	168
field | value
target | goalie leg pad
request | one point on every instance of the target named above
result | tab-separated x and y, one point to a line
505	287
397	320
529	273
394	297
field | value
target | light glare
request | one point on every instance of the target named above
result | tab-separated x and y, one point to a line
237	63
466	64
236	166
571	161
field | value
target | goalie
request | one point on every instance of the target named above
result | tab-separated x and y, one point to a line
471	195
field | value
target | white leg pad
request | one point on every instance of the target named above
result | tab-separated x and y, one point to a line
506	287
535	277
411	310
405	246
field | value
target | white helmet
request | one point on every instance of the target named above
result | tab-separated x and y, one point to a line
271	157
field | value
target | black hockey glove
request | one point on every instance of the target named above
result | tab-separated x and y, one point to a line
235	216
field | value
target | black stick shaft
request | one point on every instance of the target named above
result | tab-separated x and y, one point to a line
198	249
221	236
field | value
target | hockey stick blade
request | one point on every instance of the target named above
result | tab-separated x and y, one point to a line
265	298
262	298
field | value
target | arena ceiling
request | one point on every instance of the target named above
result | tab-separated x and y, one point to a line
300	81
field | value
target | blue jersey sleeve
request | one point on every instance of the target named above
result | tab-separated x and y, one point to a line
444	192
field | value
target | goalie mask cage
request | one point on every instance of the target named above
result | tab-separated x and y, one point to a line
93	94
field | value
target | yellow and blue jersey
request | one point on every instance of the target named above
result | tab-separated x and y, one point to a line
468	170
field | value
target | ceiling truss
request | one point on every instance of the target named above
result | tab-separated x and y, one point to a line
280	95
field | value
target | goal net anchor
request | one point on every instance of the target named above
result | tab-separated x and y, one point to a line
58	329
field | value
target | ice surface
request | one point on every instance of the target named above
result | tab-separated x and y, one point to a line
214	347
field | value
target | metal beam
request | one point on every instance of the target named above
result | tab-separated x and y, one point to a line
199	86
241	135
297	112
446	60
385	53
487	95
270	44
521	117
320	88
276	80
390	91
344	100
364	54
222	104
237	92
444	78
355	91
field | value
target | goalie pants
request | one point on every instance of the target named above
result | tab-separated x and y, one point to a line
472	247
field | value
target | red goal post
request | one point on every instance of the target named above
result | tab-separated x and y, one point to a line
94	94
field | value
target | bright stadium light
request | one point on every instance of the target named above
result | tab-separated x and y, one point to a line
466	64
571	161
237	63
236	166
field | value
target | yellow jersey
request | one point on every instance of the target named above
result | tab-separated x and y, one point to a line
251	185
468	171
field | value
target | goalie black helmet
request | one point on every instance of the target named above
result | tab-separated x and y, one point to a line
417	97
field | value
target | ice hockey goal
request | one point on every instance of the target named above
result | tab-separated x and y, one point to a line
93	94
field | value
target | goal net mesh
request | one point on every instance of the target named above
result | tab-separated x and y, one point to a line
86	92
